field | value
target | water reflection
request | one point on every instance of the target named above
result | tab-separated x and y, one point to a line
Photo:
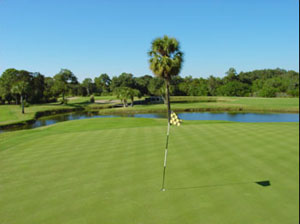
241	117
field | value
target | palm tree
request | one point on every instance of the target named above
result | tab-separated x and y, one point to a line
122	93
133	93
20	88
165	62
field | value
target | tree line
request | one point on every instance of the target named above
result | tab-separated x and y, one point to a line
20	85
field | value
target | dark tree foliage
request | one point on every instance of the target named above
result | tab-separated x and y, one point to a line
234	88
123	80
156	87
48	94
37	88
89	86
142	84
102	84
64	82
213	84
7	80
34	87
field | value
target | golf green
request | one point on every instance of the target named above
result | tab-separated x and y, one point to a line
109	171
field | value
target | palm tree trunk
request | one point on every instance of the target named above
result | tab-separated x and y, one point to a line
168	99
132	99
22	103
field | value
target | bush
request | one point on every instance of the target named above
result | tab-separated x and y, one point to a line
63	101
26	104
294	92
281	94
2	100
268	92
51	100
92	99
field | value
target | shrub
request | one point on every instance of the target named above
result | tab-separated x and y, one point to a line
92	99
26	104
282	94
63	101
268	92
294	92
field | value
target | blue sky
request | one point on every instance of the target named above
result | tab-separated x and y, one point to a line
92	37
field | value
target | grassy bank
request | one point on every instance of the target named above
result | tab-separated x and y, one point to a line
11	114
246	104
109	170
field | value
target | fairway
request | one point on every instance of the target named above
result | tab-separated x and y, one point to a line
109	171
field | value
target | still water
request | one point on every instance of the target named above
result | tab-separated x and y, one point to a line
238	117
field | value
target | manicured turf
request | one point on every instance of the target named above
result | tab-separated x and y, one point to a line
110	171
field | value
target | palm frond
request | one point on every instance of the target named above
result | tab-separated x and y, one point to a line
165	57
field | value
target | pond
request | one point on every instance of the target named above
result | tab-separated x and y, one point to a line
226	116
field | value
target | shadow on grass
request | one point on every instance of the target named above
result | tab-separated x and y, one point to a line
264	183
194	101
57	104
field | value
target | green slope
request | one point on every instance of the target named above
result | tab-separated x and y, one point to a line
110	171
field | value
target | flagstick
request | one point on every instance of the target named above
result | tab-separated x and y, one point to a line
167	142
165	160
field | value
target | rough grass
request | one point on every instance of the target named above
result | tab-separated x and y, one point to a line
246	104
11	114
109	170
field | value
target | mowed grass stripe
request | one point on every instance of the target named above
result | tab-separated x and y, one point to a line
236	145
109	173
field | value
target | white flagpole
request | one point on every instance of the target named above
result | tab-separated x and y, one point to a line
165	160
